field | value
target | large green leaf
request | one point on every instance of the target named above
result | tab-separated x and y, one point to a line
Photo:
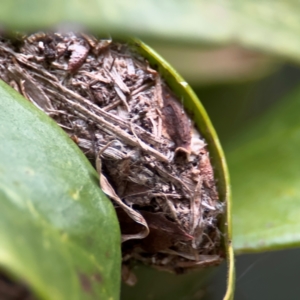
267	25
198	114
58	231
264	164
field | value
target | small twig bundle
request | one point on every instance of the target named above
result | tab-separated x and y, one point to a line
153	163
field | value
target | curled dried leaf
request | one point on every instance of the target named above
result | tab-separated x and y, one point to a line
134	215
162	235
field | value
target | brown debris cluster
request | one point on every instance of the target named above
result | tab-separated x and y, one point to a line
153	163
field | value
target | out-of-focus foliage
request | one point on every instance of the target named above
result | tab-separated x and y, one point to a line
264	164
205	66
272	26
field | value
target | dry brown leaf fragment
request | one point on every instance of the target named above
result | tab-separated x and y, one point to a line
176	122
206	168
162	235
78	56
134	215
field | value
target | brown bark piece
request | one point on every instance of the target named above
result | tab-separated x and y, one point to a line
78	56
176	122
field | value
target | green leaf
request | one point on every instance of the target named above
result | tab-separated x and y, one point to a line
156	285
192	105
58	231
264	164
269	26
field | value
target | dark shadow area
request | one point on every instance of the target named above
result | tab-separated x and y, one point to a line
270	275
232	107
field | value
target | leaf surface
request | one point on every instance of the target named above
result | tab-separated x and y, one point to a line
264	164
58	231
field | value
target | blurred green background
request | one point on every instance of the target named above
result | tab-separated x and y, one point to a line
267	275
